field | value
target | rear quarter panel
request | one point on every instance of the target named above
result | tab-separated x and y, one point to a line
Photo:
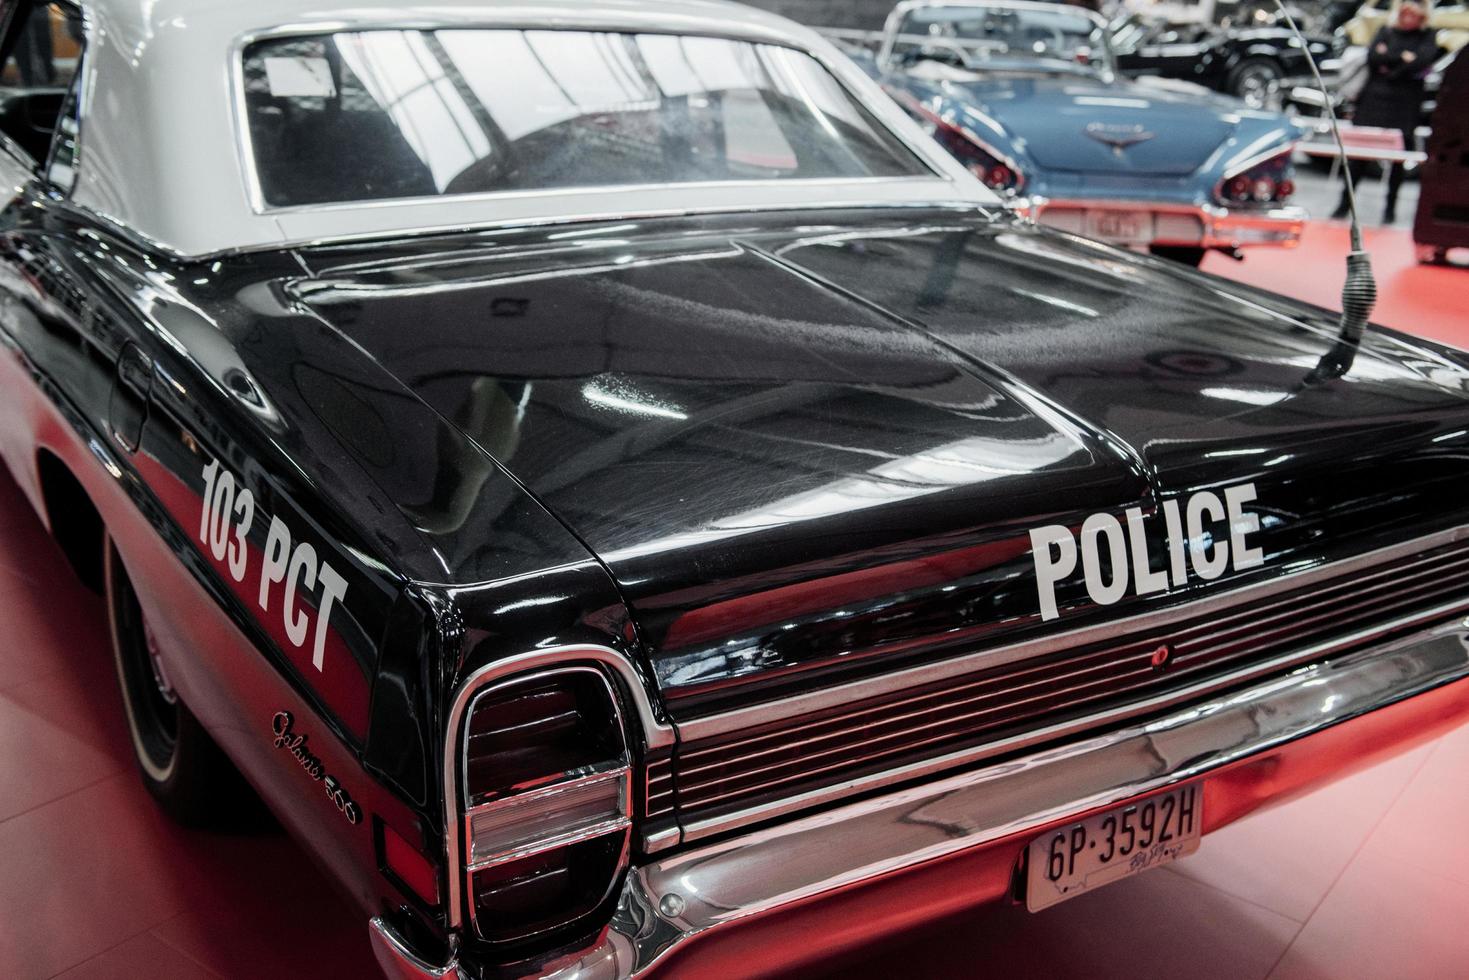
240	655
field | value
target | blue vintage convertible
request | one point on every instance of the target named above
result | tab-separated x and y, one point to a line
1027	96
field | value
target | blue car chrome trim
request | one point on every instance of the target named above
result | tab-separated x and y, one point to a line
1219	227
1118	137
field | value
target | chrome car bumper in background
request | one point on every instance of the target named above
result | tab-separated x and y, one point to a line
1204	225
921	853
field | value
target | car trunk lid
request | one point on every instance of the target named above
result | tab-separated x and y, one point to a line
814	450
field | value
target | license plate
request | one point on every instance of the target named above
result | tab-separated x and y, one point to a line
1120	226
1112	845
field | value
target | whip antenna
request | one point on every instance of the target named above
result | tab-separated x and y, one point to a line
1359	292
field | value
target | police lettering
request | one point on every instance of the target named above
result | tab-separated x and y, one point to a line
1128	565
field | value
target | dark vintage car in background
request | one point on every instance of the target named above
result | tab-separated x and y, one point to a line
1256	64
625	498
1027	96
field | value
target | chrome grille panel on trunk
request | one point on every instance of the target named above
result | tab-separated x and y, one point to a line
728	779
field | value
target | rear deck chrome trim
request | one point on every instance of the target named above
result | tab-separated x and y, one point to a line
1290	577
692	733
669	902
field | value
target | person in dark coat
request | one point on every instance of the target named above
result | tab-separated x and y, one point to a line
1398	60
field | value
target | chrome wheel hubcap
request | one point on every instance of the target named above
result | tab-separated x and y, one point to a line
1257	89
160	676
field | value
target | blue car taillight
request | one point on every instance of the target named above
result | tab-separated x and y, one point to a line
548	821
995	171
1267	182
996	174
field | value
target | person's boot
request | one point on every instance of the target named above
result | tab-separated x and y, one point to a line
1394	181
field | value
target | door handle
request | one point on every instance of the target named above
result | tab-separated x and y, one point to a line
128	406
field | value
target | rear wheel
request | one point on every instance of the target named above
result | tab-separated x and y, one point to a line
1186	254
1257	82
180	764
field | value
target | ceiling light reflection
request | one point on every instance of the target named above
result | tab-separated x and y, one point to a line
630	401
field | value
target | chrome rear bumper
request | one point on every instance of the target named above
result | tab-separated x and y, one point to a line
1204	225
933	849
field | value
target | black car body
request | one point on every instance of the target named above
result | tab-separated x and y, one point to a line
595	592
1252	63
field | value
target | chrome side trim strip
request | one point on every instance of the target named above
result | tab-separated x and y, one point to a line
669	902
743	719
656	734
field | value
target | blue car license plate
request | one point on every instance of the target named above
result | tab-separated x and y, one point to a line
1126	227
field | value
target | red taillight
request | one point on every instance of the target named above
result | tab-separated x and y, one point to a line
993	172
1000	177
539	894
411	867
524	733
1267	182
547	821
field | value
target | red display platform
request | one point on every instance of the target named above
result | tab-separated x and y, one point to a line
1430	301
1362	879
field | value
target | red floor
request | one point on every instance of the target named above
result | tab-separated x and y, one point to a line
1430	301
1361	880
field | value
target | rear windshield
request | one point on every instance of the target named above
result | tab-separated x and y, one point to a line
381	115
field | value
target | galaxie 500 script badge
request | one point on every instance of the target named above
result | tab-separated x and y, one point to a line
1191	549
287	738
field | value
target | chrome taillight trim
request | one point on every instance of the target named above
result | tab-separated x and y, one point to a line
624	760
655	733
624	861
619	824
979	143
622	827
605	829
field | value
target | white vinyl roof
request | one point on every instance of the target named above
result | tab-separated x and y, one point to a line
162	151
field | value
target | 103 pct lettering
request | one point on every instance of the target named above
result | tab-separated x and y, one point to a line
1190	547
225	520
